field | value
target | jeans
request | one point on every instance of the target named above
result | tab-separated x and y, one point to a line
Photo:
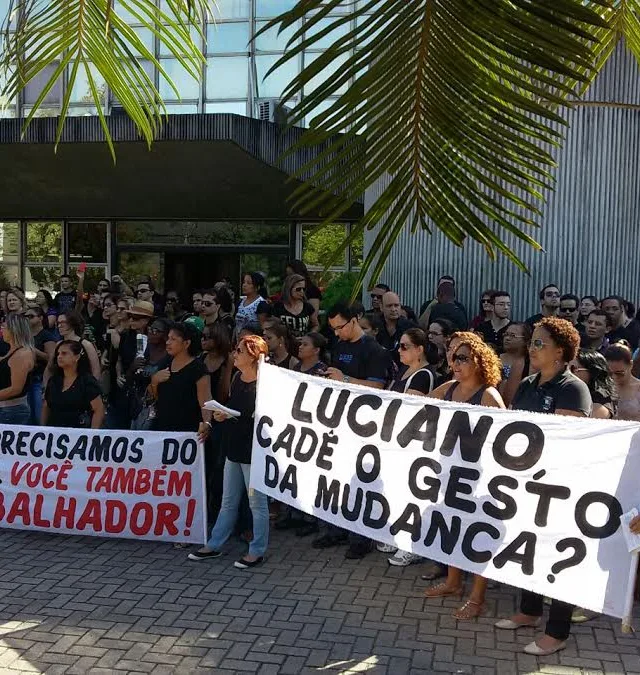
34	396
236	479
559	623
15	414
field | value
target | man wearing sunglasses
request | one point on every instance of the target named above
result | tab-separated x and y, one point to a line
376	296
549	304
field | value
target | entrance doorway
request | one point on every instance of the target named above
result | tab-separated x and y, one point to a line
185	272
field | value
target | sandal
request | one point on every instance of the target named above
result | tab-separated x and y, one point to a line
443	591
470	610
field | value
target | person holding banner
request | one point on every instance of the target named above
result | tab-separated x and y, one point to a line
553	389
476	371
236	442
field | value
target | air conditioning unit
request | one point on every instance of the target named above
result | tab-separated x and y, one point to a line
273	110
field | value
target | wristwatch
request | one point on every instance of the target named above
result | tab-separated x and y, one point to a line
346	378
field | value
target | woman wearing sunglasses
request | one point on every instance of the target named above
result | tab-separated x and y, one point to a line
293	310
476	374
553	389
486	309
515	359
415	377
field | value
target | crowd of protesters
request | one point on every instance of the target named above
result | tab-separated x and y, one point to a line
123	356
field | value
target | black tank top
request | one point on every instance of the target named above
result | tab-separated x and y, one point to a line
5	375
476	399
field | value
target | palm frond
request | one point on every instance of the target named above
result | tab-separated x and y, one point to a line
78	36
452	99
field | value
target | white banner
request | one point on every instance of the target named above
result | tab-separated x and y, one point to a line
527	499
143	485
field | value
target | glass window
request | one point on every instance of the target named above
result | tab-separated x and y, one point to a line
133	265
318	246
223	38
227	77
271	40
41	276
87	242
125	14
10	243
195	38
5	5
191	233
323	75
42	112
9	275
232	9
146	37
269	8
327	40
44	242
181	108
81	92
275	83
187	86
34	87
236	107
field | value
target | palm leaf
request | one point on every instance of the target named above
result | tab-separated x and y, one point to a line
77	36
452	99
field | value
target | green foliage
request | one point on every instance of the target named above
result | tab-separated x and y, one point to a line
341	288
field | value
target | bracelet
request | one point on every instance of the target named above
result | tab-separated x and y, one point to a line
209	425
346	378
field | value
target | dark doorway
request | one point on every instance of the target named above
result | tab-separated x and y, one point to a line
186	272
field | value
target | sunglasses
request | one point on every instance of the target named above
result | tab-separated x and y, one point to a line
404	346
486	301
375	296
208	303
31	316
460	358
538	344
300	289
568	310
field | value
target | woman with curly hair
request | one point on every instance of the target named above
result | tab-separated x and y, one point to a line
553	389
476	371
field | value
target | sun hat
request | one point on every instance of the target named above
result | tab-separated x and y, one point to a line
143	309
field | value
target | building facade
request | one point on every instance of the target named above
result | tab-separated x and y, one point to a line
210	199
590	224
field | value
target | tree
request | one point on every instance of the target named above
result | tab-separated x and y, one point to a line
452	103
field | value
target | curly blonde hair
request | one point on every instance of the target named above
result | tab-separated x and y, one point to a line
486	360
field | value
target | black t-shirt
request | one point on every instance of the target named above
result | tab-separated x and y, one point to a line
128	348
605	401
65	302
492	336
450	311
177	407
39	341
237	434
565	392
422	380
71	408
533	320
391	342
630	333
298	324
363	360
317	369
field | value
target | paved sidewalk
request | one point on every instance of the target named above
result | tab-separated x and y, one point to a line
87	605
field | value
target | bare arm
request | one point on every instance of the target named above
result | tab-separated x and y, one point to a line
98	413
492	399
600	412
315	303
44	415
94	360
20	365
203	387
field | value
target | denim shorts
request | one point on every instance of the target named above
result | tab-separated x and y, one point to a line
15	414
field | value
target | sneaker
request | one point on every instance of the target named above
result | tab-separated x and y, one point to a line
386	548
243	564
329	540
204	555
404	559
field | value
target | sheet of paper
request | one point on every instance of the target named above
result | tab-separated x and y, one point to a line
214	405
633	540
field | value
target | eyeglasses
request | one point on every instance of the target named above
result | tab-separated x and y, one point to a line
300	289
568	310
460	358
432	333
404	346
31	316
144	290
375	296
576	369
337	329
538	344
208	303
